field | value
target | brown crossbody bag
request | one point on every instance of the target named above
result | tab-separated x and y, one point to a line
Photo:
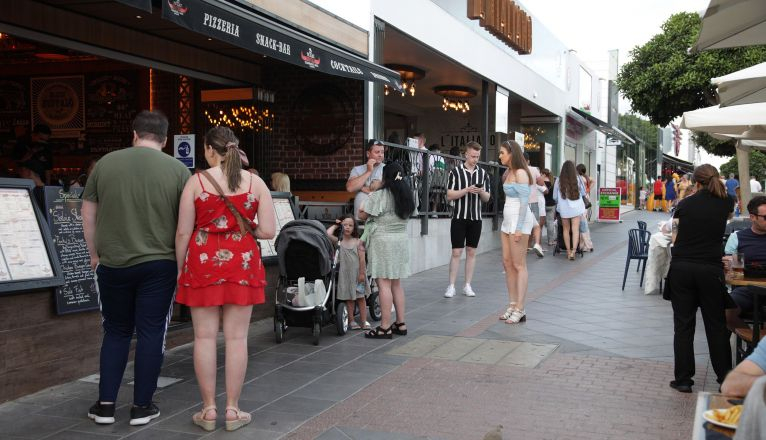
244	225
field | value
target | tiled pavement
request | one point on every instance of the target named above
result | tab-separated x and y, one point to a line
606	378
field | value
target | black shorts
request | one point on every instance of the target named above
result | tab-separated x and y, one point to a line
465	233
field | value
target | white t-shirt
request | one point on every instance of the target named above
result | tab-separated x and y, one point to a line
535	174
755	186
377	174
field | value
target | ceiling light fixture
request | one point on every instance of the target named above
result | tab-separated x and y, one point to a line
409	74
455	97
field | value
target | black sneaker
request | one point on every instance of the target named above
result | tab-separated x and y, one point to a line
141	415
681	387
103	414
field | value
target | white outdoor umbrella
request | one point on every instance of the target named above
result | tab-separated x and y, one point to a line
732	23
746	123
744	86
734	120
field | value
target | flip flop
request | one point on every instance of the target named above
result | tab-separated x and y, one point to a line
355	326
366	326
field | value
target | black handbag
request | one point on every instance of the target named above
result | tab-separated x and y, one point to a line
586	201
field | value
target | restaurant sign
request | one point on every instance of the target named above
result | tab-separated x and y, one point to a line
250	32
609	204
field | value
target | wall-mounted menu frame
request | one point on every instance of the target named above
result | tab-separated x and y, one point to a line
28	259
285	211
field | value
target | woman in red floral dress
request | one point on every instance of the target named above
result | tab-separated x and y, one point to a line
220	268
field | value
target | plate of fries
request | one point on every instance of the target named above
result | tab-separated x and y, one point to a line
727	417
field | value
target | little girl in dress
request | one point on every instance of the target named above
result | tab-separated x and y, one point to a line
352	270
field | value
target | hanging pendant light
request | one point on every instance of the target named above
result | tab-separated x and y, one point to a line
409	74
455	97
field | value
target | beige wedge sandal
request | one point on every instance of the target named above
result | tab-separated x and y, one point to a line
242	419
200	420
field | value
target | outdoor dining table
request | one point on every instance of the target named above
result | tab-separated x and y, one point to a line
704	430
657	262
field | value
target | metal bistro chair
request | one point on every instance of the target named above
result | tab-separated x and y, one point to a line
747	338
638	249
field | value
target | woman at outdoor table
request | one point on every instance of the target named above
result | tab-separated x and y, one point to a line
696	277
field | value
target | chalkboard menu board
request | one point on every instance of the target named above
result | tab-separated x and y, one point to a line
27	258
78	293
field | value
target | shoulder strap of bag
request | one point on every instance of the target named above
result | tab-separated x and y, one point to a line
244	226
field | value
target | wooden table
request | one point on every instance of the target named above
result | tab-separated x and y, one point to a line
706	401
760	282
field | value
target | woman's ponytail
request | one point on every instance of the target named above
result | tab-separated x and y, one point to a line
707	176
226	144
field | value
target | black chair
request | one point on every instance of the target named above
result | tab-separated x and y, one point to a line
643	227
747	338
638	249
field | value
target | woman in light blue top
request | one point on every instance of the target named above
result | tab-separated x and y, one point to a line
568	191
517	224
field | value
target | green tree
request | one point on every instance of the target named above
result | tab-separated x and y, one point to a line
757	165
663	79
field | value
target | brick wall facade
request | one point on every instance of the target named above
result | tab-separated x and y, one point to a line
303	95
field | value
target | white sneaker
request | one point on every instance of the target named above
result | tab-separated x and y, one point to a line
450	291
538	250
467	291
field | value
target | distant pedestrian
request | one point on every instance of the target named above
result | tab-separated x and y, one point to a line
696	277
468	186
388	210
642	198
587	181
130	214
755	185
670	191
535	200
550	207
731	185
568	191
517	225
658	187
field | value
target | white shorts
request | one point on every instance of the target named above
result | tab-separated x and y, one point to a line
511	217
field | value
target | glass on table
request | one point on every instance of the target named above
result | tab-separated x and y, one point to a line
738	265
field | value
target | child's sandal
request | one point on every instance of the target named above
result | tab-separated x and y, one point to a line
200	420
396	328
379	333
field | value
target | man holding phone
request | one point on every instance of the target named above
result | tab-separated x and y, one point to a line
468	186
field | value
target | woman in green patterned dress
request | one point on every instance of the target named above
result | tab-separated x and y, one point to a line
387	212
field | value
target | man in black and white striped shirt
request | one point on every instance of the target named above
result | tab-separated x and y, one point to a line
468	186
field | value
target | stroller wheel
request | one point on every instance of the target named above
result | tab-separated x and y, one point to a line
373	304
279	331
315	331
341	318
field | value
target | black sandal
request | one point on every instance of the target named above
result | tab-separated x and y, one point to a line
379	333
395	327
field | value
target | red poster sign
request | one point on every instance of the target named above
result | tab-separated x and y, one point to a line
609	204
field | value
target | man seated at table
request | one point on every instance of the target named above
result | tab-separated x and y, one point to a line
741	378
751	242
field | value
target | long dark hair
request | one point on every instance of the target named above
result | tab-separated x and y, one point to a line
517	159
226	144
568	181
707	176
393	180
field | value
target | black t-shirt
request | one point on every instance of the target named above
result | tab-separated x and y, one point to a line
701	224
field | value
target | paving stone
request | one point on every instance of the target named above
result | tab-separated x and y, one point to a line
454	348
421	346
490	352
528	355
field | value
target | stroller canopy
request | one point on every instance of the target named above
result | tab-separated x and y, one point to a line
307	233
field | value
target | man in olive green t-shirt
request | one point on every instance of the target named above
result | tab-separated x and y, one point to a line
130	214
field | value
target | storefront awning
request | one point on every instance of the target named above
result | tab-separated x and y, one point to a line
243	28
677	163
144	5
604	127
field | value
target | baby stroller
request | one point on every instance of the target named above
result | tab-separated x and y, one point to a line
304	250
560	245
